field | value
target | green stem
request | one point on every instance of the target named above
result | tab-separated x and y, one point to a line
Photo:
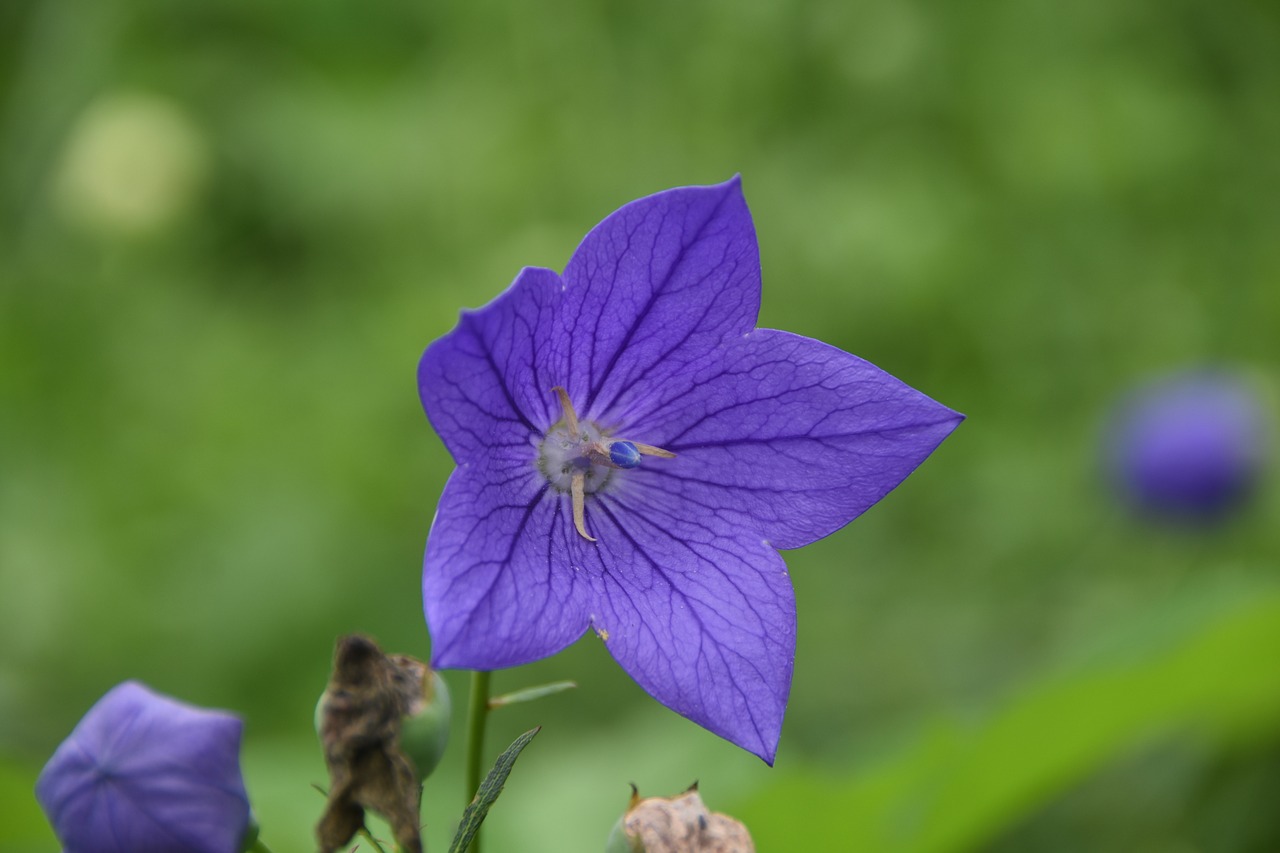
478	716
364	830
258	847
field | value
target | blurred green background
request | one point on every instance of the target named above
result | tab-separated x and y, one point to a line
229	228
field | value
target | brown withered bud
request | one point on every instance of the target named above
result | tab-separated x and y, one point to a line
359	721
678	824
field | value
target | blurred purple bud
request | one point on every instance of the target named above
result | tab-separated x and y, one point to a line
1190	447
143	773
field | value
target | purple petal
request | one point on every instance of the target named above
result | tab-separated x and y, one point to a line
786	436
488	382
504	581
142	772
654	287
702	616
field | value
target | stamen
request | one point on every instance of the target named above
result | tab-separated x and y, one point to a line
570	416
650	450
578	489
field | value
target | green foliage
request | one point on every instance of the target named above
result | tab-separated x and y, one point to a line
959	785
24	826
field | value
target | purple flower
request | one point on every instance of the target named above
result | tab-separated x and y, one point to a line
143	773
1190	447
632	451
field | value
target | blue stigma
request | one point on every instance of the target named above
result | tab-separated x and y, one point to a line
624	454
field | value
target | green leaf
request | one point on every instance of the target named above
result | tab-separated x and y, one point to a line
960	783
490	788
528	694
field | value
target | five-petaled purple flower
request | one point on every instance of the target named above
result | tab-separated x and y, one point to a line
1190	447
632	451
143	773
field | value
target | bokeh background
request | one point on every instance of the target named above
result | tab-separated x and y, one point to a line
229	228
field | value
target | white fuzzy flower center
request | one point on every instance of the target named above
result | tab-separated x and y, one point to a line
564	453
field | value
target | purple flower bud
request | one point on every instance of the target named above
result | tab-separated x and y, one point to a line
1190	447
143	773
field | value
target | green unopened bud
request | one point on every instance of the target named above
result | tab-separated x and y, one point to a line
679	824
619	841
424	734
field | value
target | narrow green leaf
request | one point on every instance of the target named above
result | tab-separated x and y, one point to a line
528	694
490	788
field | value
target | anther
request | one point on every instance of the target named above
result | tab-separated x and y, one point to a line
650	450
570	416
578	489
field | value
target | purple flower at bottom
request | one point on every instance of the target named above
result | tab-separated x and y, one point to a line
1190	447
632	452
143	773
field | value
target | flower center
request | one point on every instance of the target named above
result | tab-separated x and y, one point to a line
565	453
580	458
